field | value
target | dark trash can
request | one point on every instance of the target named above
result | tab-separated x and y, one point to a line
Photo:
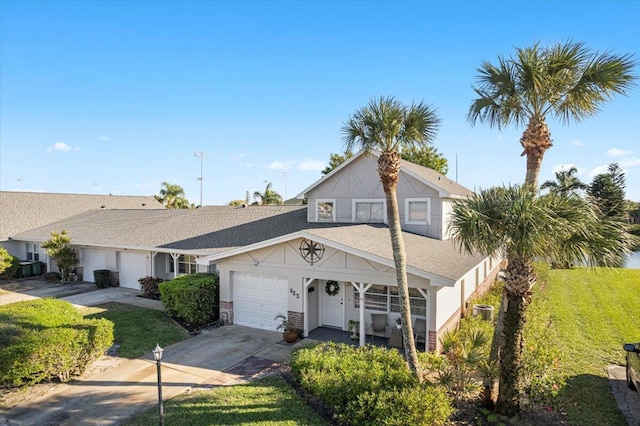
36	268
26	269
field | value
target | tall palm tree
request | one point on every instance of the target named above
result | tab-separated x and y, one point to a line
172	196
567	81
565	182
387	125
268	197
518	223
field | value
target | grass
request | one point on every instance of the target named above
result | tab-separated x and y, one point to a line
594	313
266	401
136	329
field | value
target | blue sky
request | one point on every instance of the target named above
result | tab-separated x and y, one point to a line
115	97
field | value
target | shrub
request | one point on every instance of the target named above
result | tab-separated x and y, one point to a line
192	300
47	338
52	276
102	278
149	286
11	270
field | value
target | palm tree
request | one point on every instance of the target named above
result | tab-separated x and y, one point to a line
268	197
172	196
566	81
387	125
518	223
565	182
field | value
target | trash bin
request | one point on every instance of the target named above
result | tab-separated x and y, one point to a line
26	269
36	268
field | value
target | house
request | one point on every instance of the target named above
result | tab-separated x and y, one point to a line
322	264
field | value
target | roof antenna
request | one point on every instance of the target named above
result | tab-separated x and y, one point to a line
456	167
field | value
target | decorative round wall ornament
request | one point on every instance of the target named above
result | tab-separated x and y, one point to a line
311	251
332	288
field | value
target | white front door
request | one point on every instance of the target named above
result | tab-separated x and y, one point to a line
332	307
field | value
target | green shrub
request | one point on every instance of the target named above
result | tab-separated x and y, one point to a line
11	270
149	286
47	338
192	300
102	278
53	276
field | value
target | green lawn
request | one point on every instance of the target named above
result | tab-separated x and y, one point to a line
137	329
594	313
267	401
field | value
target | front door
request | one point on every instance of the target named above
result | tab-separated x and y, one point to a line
332	304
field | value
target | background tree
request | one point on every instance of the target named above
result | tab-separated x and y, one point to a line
607	189
172	196
335	160
60	249
387	125
565	183
566	81
517	222
269	196
426	156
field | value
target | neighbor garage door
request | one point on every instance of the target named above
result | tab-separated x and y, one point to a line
93	259
133	266
257	299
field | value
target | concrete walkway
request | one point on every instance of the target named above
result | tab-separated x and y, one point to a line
628	401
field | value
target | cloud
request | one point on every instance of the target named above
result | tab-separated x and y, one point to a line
104	138
309	164
63	147
598	170
615	152
565	167
281	165
629	162
576	142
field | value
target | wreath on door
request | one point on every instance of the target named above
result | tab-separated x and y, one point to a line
332	288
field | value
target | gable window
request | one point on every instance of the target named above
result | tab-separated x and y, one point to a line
186	264
325	211
368	211
418	211
32	252
385	299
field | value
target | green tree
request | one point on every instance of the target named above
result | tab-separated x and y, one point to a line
172	196
565	182
5	260
567	81
387	125
557	227
269	196
335	160
60	249
608	191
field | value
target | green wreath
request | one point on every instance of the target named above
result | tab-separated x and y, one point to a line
332	288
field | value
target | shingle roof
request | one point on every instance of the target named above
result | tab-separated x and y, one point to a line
436	179
21	211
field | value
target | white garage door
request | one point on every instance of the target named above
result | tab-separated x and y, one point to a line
257	299
133	266
93	259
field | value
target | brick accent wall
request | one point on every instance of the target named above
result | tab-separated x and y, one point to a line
297	319
433	341
226	313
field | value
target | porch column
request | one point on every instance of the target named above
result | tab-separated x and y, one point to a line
426	318
153	263
175	257
305	304
362	289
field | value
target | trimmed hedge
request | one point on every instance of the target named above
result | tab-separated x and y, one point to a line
192	300
12	270
47	338
149	287
102	278
368	386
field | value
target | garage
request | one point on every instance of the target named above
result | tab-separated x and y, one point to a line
133	266
257	299
93	260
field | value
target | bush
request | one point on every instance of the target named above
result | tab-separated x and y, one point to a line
102	278
11	271
47	338
149	286
53	276
192	300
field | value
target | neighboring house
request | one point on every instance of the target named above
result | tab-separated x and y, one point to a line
288	259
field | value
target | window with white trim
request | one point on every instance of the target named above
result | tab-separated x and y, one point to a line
417	211
33	253
325	211
385	299
371	211
186	264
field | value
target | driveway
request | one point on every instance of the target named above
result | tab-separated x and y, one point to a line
628	401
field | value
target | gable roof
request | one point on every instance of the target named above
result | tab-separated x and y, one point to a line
21	211
445	186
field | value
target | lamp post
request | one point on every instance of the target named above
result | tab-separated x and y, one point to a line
157	355
202	156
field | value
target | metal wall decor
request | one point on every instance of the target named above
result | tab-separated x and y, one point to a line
311	251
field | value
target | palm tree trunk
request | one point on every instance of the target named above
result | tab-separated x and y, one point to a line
535	140
388	168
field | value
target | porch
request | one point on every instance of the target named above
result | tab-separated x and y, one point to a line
330	334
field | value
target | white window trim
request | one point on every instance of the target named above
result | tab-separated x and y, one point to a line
406	211
333	212
368	200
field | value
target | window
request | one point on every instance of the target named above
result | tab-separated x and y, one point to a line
418	211
32	252
186	264
368	211
325	211
386	299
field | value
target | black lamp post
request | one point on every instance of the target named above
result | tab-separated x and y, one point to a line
157	355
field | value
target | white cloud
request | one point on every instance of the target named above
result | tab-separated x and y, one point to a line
309	164
565	167
281	165
615	152
598	170
576	142
630	162
104	138
63	147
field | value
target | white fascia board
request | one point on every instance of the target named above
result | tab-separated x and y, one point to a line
441	192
